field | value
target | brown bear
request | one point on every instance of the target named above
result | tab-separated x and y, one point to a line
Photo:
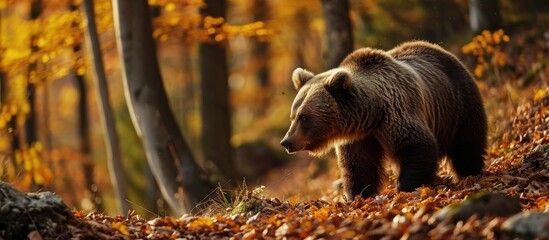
414	104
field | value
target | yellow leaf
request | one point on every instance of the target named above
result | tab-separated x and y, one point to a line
69	40
18	157
25	108
219	37
35	160
37	146
121	228
170	7
38	179
201	222
13	109
478	70
540	94
27	165
41	42
81	71
321	214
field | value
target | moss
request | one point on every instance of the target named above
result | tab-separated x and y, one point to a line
251	205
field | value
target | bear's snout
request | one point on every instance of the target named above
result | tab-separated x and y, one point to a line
287	145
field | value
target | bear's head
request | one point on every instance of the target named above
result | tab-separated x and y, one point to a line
316	122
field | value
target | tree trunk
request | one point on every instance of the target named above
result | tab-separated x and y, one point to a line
84	128
30	123
484	15
152	192
216	117
30	130
451	19
261	48
116	169
84	136
300	34
168	154
339	33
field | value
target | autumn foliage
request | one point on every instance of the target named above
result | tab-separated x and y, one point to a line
486	48
38	42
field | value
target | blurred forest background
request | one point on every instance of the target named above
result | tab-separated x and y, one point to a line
156	106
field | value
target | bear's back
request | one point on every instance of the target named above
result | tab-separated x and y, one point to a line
454	93
424	54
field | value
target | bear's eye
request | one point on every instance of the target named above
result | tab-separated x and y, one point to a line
304	121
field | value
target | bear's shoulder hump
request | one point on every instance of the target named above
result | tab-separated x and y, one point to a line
416	48
365	57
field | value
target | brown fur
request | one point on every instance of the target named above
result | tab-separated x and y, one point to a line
413	104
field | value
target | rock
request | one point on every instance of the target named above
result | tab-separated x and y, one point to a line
528	225
254	160
482	204
21	214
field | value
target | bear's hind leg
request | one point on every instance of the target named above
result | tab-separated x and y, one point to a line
467	150
361	167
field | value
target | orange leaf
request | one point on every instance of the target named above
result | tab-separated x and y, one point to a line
121	228
293	200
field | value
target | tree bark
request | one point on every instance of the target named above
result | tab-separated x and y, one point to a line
339	33
84	135
30	123
300	35
116	169
261	48
216	117
449	16
485	15
83	127
30	129
168	154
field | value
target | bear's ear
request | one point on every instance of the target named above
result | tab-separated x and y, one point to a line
339	80
300	76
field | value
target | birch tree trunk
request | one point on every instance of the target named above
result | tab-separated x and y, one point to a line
339	33
484	15
116	169
182	182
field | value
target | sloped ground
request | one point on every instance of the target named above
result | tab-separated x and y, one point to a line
518	166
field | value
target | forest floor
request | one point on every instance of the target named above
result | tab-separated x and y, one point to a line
517	165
